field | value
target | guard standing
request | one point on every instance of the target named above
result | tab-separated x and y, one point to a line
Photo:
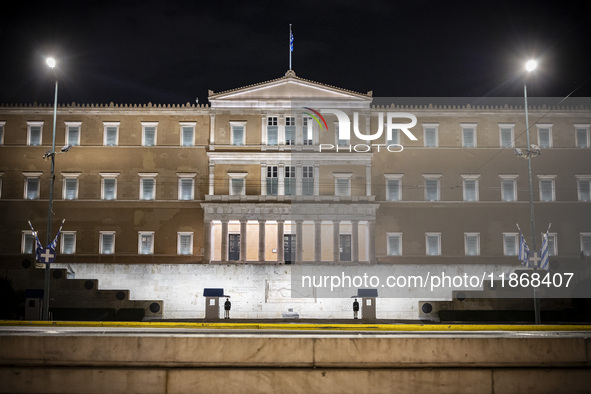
355	309
227	306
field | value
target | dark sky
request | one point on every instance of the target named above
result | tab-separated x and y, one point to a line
172	52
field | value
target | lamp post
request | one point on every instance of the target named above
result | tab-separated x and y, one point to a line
529	67
51	63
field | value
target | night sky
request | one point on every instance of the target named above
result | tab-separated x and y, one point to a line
172	52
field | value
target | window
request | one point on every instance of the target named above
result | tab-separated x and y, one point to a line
146	242
290	181
432	187
2	125
510	244
506	135
70	186
342	184
469	135
433	244
586	244
552	244
508	187
1	176
272	181
394	244
107	242
393	137
187	134
290	130
582	135
32	185
584	187
472	244
110	133
308	180
187	186
272	130
237	183
340	142
109	186
238	135
147	186
28	242
545	135
185	243
547	190
470	187
149	130
308	136
34	133
73	133
68	242
393	187
430	135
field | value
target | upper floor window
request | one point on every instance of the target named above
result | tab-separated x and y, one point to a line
34	133
185	243
145	242
393	137
2	125
237	183
433	244
430	135
68	242
290	130
393	187
272	181
547	189
545	135
508	187
584	187
238	133
469	135
432	189
188	134
272	131
70	186
149	130
585	244
307	131
73	133
147	186
510	244
552	244
109	186
107	242
394	244
470	187
342	184
110	133
506	135
472	244
289	183
186	186
308	180
28	242
340	142
582	135
32	185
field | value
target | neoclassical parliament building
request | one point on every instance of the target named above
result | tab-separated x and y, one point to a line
167	200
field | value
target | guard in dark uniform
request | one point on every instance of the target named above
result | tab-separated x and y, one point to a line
227	306
355	309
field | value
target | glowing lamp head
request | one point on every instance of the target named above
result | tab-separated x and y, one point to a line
531	65
50	62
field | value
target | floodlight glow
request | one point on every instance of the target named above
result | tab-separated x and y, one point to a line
50	62
531	65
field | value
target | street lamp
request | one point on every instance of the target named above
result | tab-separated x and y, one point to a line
529	67
51	63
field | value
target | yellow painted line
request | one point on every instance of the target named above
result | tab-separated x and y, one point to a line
305	326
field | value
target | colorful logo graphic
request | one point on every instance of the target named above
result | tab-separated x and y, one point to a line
315	116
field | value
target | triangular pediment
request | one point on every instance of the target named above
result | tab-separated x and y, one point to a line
284	90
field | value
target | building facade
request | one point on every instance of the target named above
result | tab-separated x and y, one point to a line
170	199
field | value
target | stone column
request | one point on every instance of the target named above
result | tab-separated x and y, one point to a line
368	179
318	240
243	240
336	241
207	241
262	224
280	257
355	241
299	240
211	179
371	227
224	240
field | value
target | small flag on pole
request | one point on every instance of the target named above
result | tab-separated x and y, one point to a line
544	252
523	250
53	245
38	247
290	45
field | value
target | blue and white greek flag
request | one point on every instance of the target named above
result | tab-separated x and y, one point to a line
38	247
544	253
290	41
53	245
523	251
